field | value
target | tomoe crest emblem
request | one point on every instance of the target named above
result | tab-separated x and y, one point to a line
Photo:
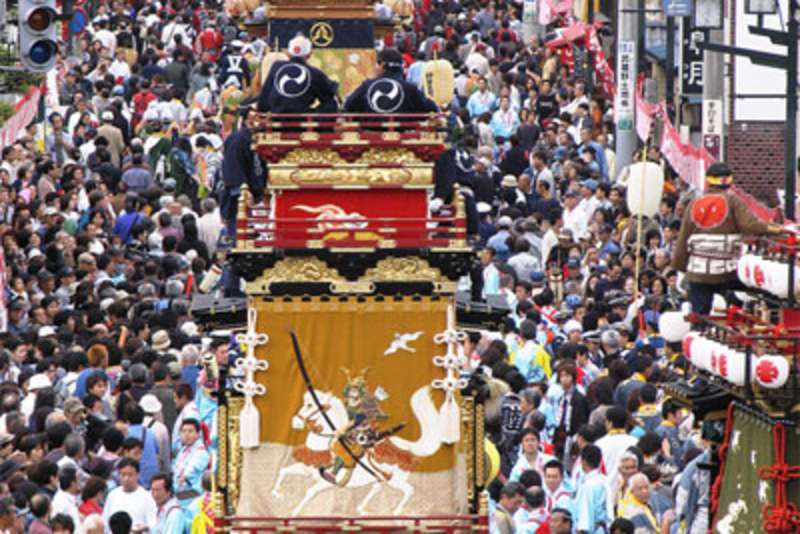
385	95
292	80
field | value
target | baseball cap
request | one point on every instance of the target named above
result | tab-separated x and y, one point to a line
107	116
537	277
573	301
150	403
504	222
72	405
591	183
39	381
572	326
170	183
46	331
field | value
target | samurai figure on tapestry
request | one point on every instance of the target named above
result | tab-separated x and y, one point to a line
353	423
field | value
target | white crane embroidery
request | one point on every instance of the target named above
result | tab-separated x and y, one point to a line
401	342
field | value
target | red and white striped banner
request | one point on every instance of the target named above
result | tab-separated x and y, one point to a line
24	112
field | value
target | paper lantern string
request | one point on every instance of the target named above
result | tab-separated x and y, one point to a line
782	516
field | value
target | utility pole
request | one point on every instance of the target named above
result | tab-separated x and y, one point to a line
790	162
641	29
627	69
670	70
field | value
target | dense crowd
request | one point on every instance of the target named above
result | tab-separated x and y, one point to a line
115	211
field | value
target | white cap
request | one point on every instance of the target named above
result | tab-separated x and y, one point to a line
39	381
572	326
190	328
150	403
50	210
151	115
505	222
107	116
299	46
46	331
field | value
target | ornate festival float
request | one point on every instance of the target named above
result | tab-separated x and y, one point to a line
744	367
344	411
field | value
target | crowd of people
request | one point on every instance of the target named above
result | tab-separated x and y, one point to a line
117	208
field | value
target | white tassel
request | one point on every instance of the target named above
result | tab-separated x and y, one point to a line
450	420
249	428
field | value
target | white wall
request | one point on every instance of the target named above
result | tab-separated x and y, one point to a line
756	79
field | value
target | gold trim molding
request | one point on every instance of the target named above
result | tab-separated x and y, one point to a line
408	269
294	269
350	176
235	405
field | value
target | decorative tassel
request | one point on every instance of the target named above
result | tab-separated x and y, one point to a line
450	420
249	428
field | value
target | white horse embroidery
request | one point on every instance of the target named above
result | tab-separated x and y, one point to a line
319	439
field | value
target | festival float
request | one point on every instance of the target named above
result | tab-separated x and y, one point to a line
744	359
345	410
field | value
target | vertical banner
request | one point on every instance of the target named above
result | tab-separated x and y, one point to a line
529	20
713	127
379	447
626	85
692	60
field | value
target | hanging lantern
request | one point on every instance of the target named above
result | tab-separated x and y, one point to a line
771	372
672	326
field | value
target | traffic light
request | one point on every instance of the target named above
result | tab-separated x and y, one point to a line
37	34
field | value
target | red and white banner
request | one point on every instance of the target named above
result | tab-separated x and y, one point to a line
24	112
684	158
588	34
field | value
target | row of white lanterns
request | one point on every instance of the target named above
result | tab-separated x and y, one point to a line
729	363
769	275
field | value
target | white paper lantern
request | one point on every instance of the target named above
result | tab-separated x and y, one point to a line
771	372
732	367
672	326
701	352
688	345
744	269
645	183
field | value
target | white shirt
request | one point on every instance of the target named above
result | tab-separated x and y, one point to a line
575	220
108	39
67	504
209	227
612	446
139	504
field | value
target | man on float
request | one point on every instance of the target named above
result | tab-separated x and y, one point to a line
389	92
294	86
707	249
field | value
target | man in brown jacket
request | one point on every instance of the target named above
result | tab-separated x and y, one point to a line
707	249
116	143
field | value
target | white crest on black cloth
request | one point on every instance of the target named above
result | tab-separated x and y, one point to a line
385	95
292	80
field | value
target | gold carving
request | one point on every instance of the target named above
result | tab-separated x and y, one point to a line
350	176
480	453
468	439
321	34
293	269
403	270
222	447
392	155
235	405
307	156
